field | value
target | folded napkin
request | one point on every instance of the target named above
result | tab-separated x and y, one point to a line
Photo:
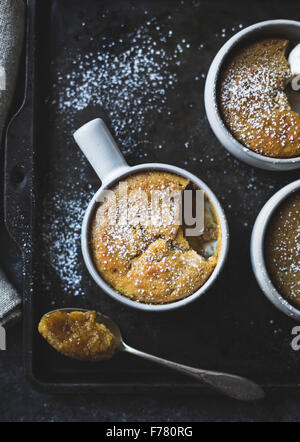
10	310
12	23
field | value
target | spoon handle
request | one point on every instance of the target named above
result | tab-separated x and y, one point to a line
233	386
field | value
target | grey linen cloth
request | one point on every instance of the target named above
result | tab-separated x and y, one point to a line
12	23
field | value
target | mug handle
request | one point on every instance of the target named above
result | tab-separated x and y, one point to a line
101	150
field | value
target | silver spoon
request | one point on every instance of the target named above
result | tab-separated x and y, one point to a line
233	386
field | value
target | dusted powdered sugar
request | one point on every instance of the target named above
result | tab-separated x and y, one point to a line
61	232
127	83
253	101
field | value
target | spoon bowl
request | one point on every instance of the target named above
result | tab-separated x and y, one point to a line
101	319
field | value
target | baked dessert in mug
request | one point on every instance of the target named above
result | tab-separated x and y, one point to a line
253	102
282	249
153	264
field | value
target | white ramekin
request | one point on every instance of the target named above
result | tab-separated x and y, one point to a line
99	147
257	250
273	28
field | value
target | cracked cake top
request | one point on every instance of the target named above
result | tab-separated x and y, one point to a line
151	262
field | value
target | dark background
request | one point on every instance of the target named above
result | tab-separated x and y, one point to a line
267	329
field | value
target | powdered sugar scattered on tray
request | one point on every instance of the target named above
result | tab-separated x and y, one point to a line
128	83
61	234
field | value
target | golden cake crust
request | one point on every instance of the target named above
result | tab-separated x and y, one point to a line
253	103
153	264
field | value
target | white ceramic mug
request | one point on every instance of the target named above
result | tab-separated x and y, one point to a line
272	28
99	147
257	250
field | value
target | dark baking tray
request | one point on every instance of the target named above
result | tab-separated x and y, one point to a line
142	65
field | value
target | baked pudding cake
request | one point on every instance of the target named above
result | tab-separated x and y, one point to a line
78	335
282	249
253	102
153	264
